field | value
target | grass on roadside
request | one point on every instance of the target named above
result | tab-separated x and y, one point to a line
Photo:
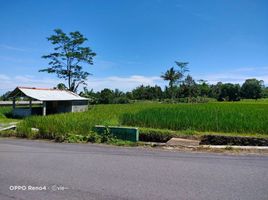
4	112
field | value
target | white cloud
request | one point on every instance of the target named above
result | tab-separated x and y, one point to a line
123	83
238	75
113	82
9	83
4	77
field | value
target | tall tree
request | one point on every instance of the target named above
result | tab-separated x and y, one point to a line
106	96
229	92
5	97
172	76
252	89
189	87
68	59
203	88
182	69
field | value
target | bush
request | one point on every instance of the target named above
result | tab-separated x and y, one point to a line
93	137
190	100
8	133
121	100
72	138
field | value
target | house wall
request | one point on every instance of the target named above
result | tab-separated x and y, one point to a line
25	112
64	106
54	107
79	106
21	112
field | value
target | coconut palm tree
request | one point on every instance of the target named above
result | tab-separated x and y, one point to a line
182	69
172	76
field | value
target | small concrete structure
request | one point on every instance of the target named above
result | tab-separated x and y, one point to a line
53	101
123	133
183	142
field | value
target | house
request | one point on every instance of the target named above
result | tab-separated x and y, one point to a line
52	101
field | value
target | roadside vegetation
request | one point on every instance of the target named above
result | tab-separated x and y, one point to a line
5	114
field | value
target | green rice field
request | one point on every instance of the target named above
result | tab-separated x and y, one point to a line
239	118
216	117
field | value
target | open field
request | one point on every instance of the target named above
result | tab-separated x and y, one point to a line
217	117
245	118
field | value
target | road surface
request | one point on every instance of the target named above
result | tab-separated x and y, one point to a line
33	170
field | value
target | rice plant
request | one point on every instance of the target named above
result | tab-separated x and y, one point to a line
218	117
212	117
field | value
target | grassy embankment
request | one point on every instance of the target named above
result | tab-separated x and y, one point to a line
6	110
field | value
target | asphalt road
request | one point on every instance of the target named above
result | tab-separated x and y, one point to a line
85	171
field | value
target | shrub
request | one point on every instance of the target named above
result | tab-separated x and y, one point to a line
72	138
93	137
8	133
120	100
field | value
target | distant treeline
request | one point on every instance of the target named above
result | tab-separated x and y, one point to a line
188	91
181	88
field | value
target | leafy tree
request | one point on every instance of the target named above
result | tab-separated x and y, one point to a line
215	91
264	93
229	92
91	95
68	59
203	88
118	93
252	89
147	93
61	86
189	87
119	97
106	96
139	93
5	96
129	95
174	77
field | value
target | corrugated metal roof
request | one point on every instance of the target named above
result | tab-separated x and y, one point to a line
42	94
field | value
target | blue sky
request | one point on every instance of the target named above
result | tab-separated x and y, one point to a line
137	40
